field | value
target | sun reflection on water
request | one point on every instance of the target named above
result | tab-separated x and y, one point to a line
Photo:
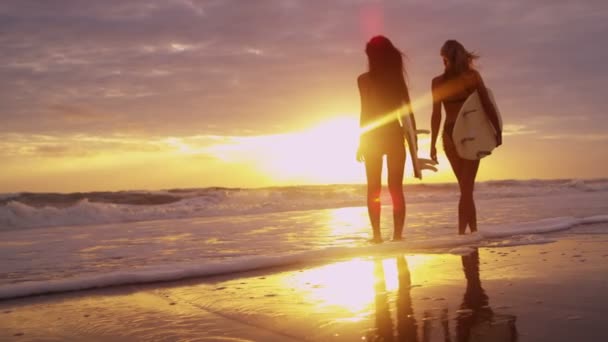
346	286
348	289
347	224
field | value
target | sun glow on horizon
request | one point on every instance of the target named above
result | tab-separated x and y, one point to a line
324	153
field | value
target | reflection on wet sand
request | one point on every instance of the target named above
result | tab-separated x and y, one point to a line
475	320
406	322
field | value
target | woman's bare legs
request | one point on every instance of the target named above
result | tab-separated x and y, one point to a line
373	170
396	163
466	172
466	207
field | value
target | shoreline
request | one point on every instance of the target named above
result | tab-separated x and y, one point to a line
555	291
510	235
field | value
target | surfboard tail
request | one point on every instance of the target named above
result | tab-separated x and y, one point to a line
482	154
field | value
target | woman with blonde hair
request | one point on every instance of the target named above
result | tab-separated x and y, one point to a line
450	89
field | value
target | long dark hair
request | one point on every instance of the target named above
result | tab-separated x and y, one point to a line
460	59
386	69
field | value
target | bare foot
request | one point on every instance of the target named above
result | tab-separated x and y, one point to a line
375	240
397	238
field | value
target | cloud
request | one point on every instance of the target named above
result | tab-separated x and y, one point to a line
189	67
75	146
576	137
513	129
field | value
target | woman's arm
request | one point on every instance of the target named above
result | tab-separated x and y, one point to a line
435	118
407	106
361	101
488	107
362	115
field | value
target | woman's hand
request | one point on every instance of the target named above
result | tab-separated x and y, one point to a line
434	153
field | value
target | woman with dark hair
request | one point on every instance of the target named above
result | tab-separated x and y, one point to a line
458	81
384	99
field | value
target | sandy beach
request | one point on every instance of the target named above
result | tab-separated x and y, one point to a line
291	170
551	292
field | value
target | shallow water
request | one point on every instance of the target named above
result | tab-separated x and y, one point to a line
53	259
550	292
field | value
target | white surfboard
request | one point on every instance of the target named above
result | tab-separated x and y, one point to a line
418	164
474	136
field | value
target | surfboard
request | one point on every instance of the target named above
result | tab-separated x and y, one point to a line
418	164
474	136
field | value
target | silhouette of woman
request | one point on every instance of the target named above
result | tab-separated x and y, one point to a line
452	88
384	98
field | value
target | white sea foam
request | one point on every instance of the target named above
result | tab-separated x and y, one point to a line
233	265
498	235
145	275
535	227
462	250
520	240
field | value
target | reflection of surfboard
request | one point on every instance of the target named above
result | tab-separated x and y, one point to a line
418	164
474	135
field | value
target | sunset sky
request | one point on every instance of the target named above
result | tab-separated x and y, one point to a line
113	94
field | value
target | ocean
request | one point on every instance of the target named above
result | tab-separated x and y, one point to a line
56	242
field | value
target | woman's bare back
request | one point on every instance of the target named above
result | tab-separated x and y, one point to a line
453	92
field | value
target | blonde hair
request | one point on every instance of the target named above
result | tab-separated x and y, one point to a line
460	60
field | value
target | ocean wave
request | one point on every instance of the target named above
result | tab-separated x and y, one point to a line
31	210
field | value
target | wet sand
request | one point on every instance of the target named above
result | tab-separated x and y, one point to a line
550	292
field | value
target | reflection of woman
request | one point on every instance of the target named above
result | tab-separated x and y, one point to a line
384	323
452	88
474	307
406	323
476	318
384	94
